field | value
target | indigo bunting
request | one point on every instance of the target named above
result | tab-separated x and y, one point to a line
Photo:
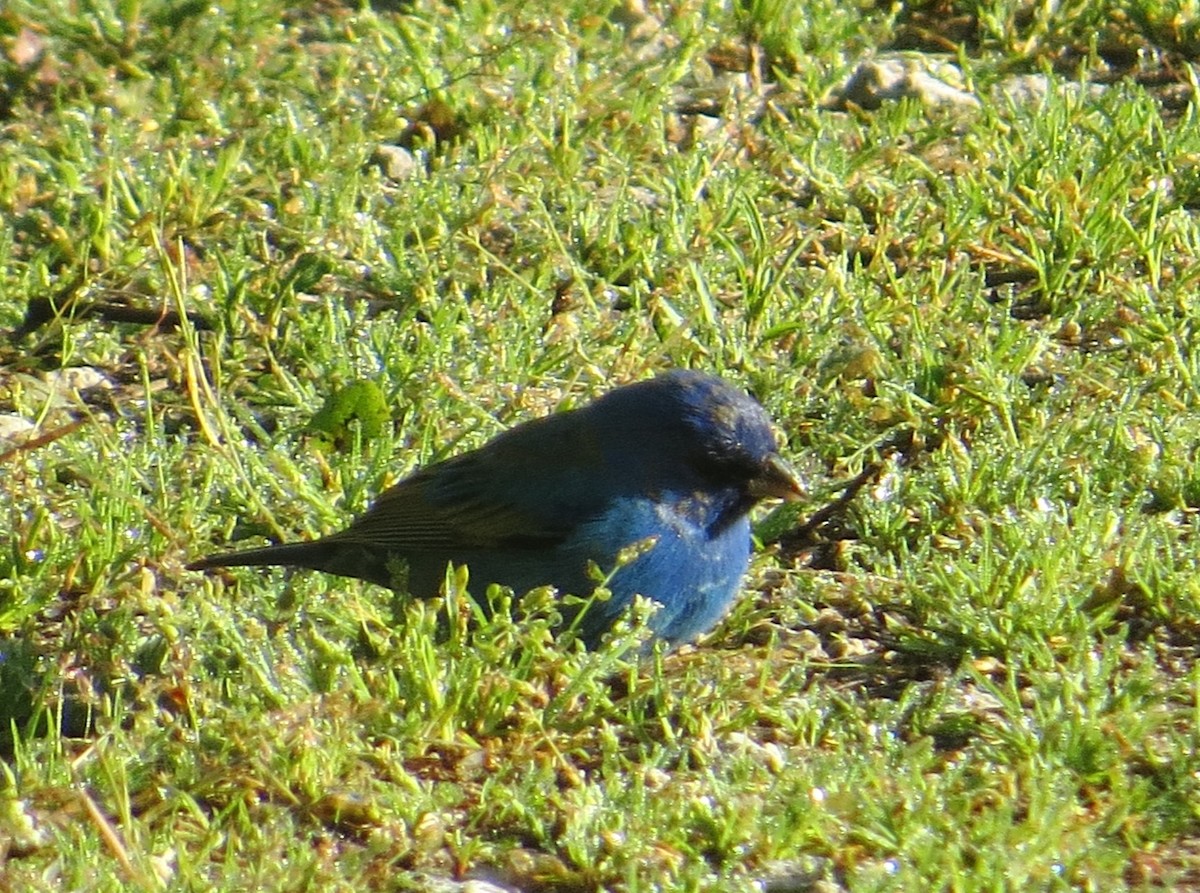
670	466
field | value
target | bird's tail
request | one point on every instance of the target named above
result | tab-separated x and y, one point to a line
333	555
313	555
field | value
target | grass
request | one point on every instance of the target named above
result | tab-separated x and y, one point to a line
976	673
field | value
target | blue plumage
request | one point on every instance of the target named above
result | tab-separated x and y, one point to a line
674	463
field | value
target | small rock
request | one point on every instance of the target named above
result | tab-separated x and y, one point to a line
1032	89
396	162
931	81
812	874
77	378
13	427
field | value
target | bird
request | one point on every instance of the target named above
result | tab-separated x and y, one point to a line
652	483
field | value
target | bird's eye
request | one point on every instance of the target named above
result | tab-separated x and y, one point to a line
730	466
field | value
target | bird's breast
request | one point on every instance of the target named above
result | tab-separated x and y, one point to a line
684	561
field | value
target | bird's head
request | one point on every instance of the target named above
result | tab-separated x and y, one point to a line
712	433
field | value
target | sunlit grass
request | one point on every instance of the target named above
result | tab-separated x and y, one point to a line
977	673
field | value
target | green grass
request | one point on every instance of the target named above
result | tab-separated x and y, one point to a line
979	674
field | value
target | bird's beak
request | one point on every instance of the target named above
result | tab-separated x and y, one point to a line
776	480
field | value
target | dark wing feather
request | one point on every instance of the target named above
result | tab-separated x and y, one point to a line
527	488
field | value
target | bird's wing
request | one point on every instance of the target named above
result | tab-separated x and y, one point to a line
527	488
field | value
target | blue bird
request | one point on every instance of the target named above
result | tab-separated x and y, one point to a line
671	465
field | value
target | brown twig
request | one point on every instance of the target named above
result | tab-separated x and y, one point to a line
828	511
41	440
